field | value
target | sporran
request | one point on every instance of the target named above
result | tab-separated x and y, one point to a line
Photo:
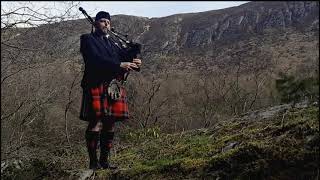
114	90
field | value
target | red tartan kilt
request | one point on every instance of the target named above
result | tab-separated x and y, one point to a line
96	104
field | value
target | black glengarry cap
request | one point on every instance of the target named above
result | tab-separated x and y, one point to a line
102	14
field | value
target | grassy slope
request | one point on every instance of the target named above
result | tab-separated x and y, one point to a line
286	147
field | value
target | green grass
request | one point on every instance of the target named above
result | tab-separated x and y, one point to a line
273	149
285	147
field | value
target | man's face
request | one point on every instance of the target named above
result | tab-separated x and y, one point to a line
103	25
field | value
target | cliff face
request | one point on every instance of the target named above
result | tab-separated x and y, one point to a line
185	31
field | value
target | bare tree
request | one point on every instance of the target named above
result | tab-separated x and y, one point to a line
148	105
30	14
26	68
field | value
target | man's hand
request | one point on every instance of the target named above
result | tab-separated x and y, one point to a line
128	65
138	62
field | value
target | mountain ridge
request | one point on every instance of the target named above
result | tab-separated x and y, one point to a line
201	33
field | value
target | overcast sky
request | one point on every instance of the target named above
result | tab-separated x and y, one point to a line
58	9
156	8
136	8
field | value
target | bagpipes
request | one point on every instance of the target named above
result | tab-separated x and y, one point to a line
129	50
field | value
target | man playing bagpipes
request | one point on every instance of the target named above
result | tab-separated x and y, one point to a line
104	100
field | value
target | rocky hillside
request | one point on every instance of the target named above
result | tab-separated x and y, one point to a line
207	29
281	29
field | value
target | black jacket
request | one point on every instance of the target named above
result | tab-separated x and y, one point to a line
102	60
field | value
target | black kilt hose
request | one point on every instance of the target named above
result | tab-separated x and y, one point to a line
96	104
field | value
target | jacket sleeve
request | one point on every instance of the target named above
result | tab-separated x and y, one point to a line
94	59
